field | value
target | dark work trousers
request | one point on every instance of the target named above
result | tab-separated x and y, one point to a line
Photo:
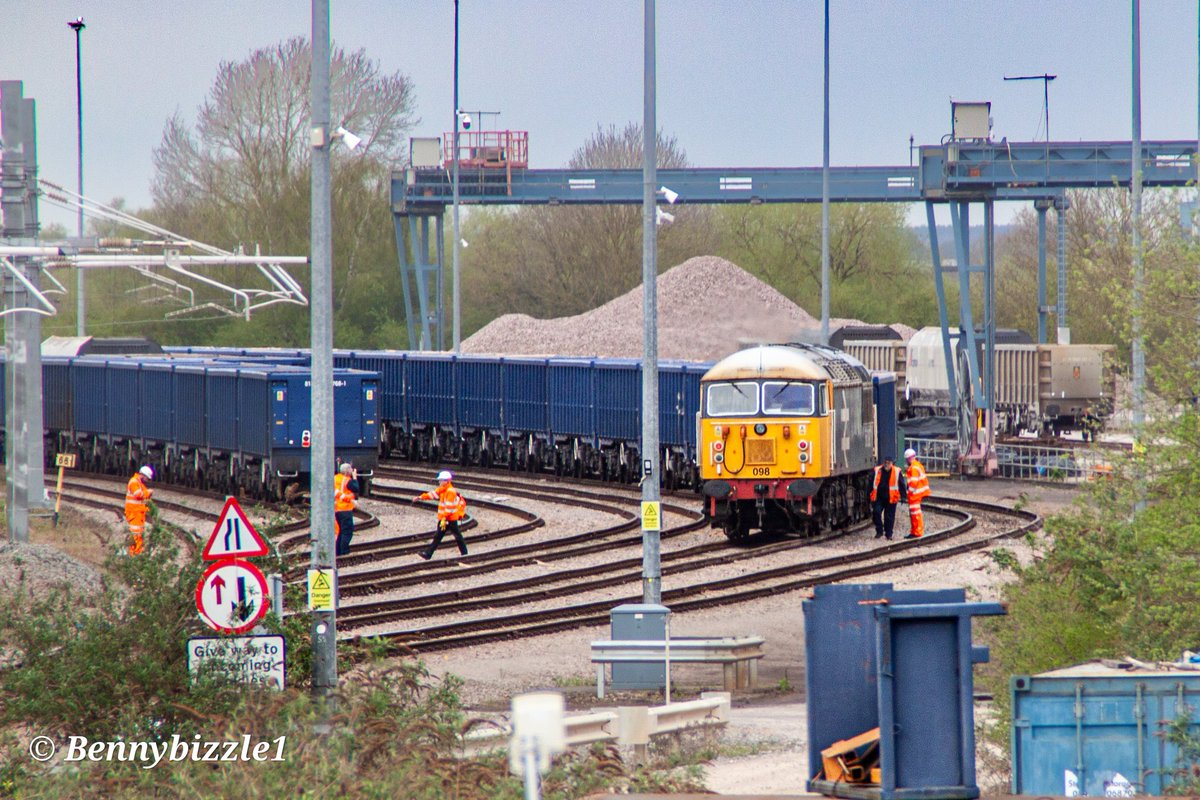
345	527
452	526
884	515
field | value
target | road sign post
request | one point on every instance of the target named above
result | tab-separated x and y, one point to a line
62	461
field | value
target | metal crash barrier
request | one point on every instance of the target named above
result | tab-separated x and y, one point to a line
738	655
628	725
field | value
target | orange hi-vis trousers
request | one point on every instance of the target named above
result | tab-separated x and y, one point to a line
137	527
916	519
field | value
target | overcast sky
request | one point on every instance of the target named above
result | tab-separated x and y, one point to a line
739	81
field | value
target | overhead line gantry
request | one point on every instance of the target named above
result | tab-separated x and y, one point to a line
957	173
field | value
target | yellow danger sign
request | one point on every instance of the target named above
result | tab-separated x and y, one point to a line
652	516
320	590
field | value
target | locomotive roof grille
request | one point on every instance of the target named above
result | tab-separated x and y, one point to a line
842	367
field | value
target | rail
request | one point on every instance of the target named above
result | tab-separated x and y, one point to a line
737	654
628	725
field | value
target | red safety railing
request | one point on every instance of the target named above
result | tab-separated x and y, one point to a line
488	149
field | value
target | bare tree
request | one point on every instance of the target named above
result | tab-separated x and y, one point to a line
558	261
240	174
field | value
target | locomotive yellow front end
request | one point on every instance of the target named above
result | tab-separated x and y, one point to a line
767	447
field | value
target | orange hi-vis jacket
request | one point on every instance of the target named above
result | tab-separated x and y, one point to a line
136	496
918	482
451	505
343	498
893	485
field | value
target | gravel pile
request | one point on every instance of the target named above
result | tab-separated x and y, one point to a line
707	308
41	568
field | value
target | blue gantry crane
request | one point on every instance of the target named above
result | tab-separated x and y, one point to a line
966	169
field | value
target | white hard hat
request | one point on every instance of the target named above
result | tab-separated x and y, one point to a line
147	472
910	453
445	475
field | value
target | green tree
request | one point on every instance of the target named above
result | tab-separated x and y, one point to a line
875	270
1099	267
1115	575
558	261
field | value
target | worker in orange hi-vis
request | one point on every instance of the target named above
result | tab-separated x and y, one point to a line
137	495
452	507
918	490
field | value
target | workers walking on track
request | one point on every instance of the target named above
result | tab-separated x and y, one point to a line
886	491
918	490
137	496
452	507
345	495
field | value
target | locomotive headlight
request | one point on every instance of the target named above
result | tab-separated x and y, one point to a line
760	429
719	458
718	446
804	458
803	445
787	431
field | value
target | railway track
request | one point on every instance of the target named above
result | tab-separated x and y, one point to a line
574	580
415	623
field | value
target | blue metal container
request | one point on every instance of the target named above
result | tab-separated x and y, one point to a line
157	393
429	389
190	398
1097	731
678	402
524	396
253	409
124	398
221	407
56	393
617	383
89	395
899	661
478	381
883	388
572	397
356	416
390	366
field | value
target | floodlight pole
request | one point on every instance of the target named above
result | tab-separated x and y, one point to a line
457	283
324	623
80	298
825	197
1139	278
651	559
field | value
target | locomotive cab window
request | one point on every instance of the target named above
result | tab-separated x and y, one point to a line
788	398
738	399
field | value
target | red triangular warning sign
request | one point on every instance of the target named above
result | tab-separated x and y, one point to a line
234	535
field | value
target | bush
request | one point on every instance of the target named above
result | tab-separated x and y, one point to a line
114	669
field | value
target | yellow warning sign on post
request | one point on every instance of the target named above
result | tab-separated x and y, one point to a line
320	590
652	516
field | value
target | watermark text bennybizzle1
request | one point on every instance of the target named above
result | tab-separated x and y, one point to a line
151	754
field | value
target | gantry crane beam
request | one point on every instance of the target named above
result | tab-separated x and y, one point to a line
957	173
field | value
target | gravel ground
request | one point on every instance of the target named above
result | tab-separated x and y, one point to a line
770	719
